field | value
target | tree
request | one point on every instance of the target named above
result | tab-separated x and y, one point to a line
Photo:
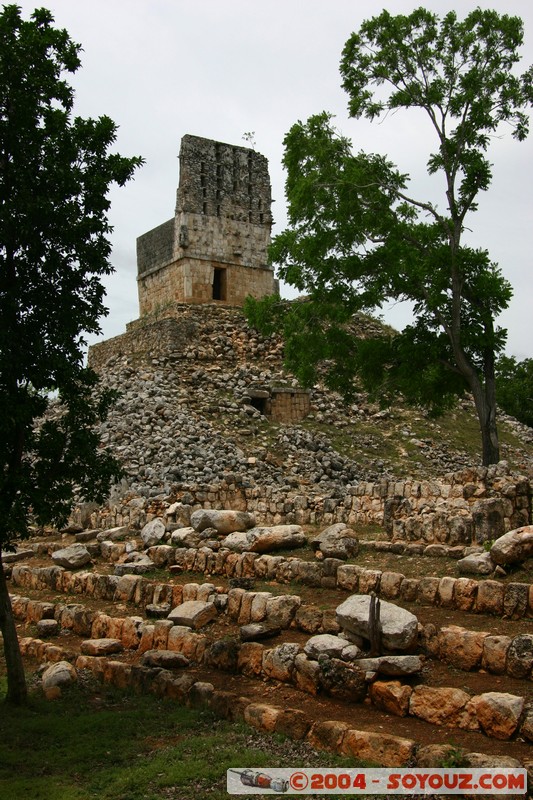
358	237
514	387
55	172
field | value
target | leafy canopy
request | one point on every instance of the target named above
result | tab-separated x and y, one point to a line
55	173
359	237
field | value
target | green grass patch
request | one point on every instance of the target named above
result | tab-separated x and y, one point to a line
113	745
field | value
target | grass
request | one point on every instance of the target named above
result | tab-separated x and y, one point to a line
99	742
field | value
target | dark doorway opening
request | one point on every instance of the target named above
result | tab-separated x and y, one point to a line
260	403
219	284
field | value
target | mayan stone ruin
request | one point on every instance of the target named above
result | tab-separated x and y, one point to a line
215	246
342	574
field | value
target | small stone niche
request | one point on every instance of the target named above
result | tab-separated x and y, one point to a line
281	404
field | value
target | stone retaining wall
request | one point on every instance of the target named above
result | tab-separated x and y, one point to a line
497	715
457	646
470	506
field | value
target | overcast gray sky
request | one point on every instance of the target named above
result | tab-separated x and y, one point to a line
221	68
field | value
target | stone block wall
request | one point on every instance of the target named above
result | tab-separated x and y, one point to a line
215	247
289	405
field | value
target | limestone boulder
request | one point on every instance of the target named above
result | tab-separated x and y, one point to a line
74	556
278	663
343	680
498	713
186	537
445	706
399	628
513	547
166	659
193	614
326	644
101	647
264	540
223	521
153	532
337	541
58	675
520	656
476	564
393	666
134	566
391	696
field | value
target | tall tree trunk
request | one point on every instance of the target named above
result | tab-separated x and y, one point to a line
16	680
485	402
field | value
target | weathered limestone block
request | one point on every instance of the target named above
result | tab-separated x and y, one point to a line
325	644
278	663
513	547
281	610
146	641
399	628
161	630
443	706
131	632
391	665
101	647
262	716
515	600
526	728
162	554
293	723
264	540
234	602
258	609
465	593
306	674
185	538
165	659
445	592
378	748
391	696
409	590
117	673
427	591
223	521
193	613
47	627
72	557
343	680
336	541
327	735
494	656
390	583
498	713
461	647
153	532
309	619
348	577
489	598
182	640
58	675
520	656
223	654
369	581
250	659
112	551
126	587
476	564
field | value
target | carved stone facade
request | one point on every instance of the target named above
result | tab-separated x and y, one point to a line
214	249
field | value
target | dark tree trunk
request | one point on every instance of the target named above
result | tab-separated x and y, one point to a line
16	680
485	401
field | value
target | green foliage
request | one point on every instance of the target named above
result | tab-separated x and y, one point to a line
357	237
112	745
55	173
514	388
